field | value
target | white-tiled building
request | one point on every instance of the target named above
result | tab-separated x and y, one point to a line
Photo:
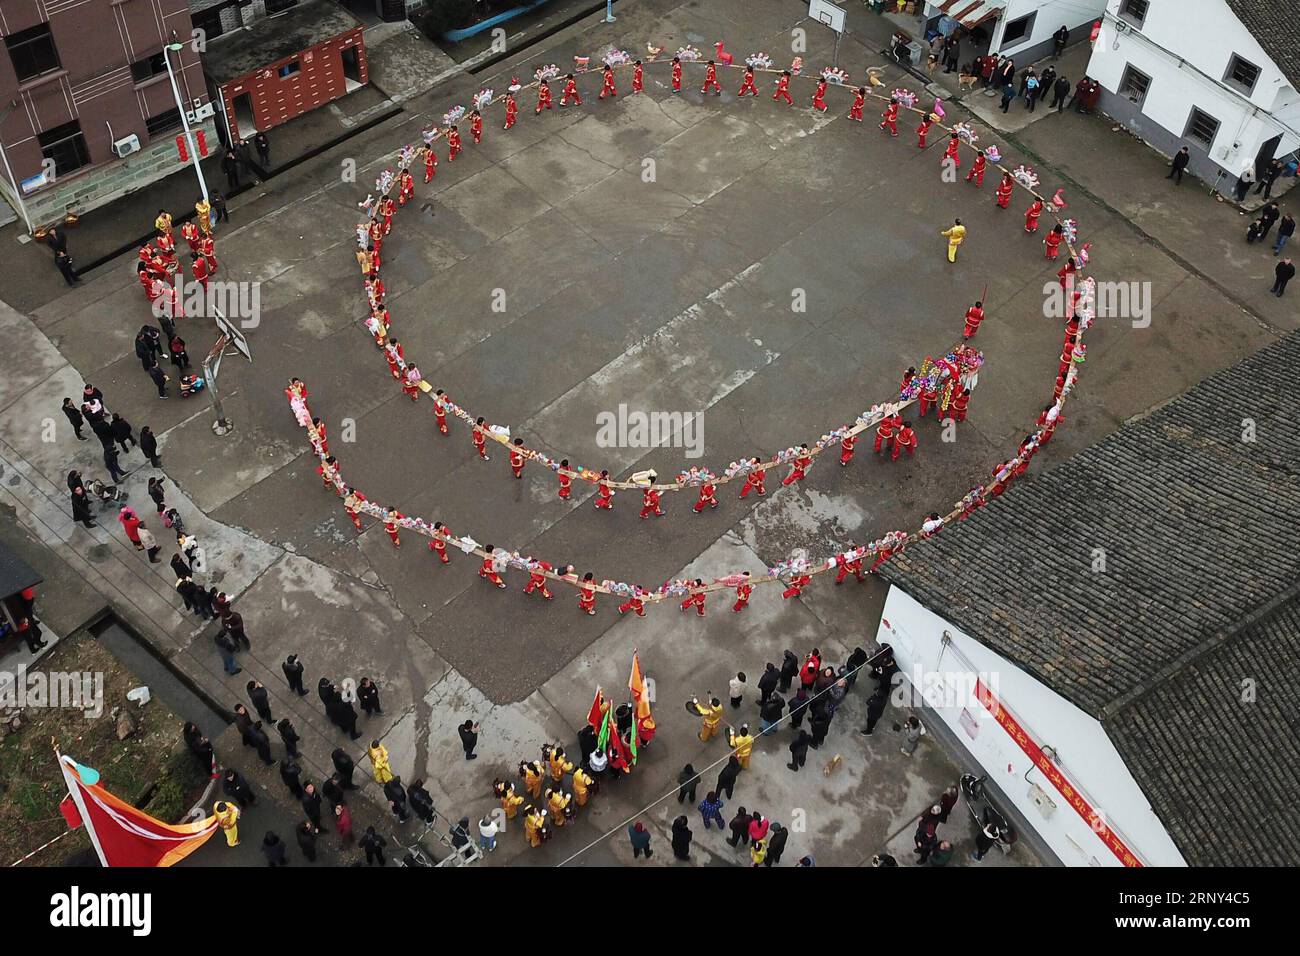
1217	76
1020	29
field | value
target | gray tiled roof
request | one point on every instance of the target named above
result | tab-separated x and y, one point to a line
1275	24
1200	532
1215	747
1198	529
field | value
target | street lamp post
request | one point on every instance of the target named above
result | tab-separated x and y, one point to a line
185	123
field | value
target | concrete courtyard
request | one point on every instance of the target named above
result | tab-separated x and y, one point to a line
664	292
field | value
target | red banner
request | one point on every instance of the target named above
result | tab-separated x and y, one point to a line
1053	773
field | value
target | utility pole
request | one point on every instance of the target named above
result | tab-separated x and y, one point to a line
185	122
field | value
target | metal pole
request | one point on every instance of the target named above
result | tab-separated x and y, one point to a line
189	137
609	11
222	426
835	57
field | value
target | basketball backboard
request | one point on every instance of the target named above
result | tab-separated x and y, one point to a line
823	11
232	332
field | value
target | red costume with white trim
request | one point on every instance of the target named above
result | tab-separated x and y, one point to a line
476	128
570	91
847	444
512	110
952	153
634	603
848	567
1031	215
543	98
488	571
756	480
587	597
608	87
711	80
708	496
859	101
695	599
960	401
743	591
1005	189
650	503
799	469
922	131
391	526
353	511
480	441
1052	243
453	143
974	316
783	90
604	497
747	87
430	164
677	76
537	580
885	429
440	412
638	78
517	462
566	481
819	96
438	545
977	170
905	437
797	584
890	117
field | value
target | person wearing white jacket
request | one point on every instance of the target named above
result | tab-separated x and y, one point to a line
488	828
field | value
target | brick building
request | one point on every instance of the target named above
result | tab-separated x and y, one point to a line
285	64
87	112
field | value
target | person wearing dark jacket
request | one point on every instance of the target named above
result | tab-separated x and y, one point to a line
110	462
311	806
875	710
291	774
767	682
1283	273
75	418
1285	230
289	736
260	700
789	670
373	844
681	839
739	827
1269	215
395	794
587	740
798	708
180	568
799	751
234	625
776	844
81	508
1178	165
149	445
263	146
368	695
1060	92
230	166
344	715
327	692
819	724
468	733
687	781
123	433
421	800
258	739
344	765
727	778
770	712
306	834
273	849
234	786
332	791
292	668
851	669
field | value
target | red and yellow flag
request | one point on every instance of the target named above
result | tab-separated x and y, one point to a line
636	684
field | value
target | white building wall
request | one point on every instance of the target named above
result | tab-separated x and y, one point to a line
1076	15
1185	48
1083	750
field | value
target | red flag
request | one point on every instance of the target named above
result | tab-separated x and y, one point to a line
597	710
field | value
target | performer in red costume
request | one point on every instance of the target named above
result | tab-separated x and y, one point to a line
566	481
570	91
797	583
1031	215
922	131
743	590
440	410
885	429
783	88
478	435
636	602
859	100
747	87
695	598
587	593
977	169
1052	241
512	110
847	444
819	96
890	117
677	74
799	469
437	545
848	566
476	126
543	98
453	143
488	570
755	481
608	88
604	493
708	496
517	458
650	503
537	580
711	84
638	77
904	437
953	152
974	316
